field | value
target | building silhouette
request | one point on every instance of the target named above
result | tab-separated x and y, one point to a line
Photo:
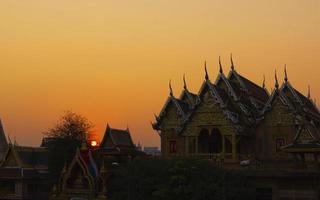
236	123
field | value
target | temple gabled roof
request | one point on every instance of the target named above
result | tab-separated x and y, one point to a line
189	99
3	139
224	101
254	90
3	142
301	99
305	141
276	93
114	138
182	106
26	157
242	101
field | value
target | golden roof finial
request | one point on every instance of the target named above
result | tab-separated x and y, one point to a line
184	82
276	79
170	88
220	66
206	71
285	73
232	65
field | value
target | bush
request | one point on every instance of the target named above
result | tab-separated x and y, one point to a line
176	179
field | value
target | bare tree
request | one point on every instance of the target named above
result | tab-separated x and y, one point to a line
71	126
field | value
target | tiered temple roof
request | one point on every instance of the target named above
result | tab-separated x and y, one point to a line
25	162
242	101
117	141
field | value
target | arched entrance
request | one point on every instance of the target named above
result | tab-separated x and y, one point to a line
210	142
203	141
217	141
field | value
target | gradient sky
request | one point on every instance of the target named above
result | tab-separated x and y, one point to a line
111	60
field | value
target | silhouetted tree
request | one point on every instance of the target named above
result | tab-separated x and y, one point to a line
64	138
70	126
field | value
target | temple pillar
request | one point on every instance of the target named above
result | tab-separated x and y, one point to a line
223	153
234	147
196	147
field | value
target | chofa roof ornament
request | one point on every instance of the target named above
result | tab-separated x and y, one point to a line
220	66
206	71
276	79
231	60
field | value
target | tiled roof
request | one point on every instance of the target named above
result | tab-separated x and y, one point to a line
256	91
116	137
307	102
241	100
36	157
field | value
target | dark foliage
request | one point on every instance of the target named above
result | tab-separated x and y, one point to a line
70	126
182	179
63	139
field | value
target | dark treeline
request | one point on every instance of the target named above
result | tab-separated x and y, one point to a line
177	179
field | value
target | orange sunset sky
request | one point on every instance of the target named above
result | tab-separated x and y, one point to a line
111	60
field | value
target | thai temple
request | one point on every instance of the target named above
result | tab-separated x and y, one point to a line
25	171
239	124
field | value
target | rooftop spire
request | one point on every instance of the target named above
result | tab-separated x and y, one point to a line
3	140
220	66
309	93
156	117
264	82
206	71
276	79
170	88
285	73
232	65
184	82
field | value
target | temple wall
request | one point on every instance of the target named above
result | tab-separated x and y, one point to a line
277	127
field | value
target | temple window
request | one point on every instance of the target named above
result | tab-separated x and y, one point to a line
173	146
279	143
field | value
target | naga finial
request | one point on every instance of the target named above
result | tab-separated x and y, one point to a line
264	82
309	92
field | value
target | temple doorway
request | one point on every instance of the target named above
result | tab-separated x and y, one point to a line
210	142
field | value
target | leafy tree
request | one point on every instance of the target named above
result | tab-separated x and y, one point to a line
71	126
64	138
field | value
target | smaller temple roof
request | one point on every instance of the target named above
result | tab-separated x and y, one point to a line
305	141
26	157
116	137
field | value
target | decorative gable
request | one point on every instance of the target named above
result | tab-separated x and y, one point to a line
11	159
